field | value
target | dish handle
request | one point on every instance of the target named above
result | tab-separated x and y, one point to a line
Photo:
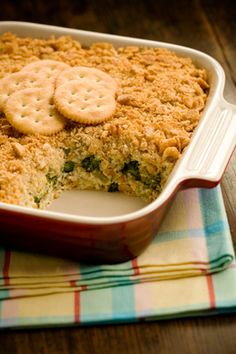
215	141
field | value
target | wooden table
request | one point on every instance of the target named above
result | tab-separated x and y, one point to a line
206	25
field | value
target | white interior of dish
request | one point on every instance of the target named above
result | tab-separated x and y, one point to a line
102	207
96	203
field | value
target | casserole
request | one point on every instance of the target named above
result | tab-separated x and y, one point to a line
126	233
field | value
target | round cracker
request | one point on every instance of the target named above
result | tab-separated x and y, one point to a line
83	73
84	102
32	111
18	81
46	68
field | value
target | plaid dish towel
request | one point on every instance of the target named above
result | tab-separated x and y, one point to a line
188	269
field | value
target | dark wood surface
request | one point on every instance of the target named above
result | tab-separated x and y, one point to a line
206	25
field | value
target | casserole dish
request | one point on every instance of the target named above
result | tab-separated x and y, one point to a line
116	228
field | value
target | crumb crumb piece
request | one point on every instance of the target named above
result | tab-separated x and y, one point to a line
19	149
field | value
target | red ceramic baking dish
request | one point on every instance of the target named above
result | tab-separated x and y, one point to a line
105	227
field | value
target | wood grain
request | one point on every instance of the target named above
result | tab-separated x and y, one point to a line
209	26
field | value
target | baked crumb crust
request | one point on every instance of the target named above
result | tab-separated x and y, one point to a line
160	98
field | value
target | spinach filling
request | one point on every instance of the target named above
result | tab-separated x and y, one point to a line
69	166
91	163
113	187
52	179
154	182
132	168
37	200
